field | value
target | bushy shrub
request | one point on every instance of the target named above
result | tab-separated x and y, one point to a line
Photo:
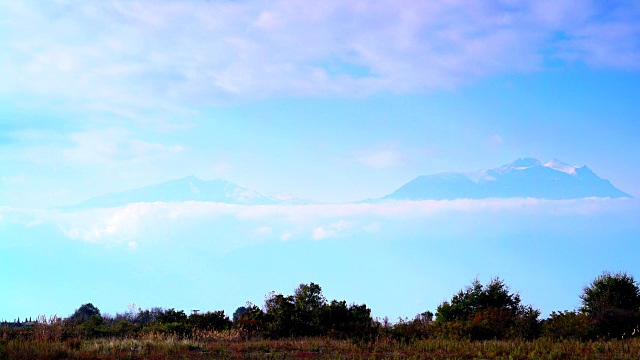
566	325
215	320
612	303
453	330
421	327
486	312
251	321
172	316
526	324
477	298
84	313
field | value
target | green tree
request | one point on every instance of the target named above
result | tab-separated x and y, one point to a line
238	313
85	312
308	301
148	316
566	325
249	319
477	298
527	324
612	303
171	316
487	312
216	320
341	321
360	322
280	315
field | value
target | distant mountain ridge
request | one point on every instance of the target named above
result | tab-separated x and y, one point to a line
525	177
188	189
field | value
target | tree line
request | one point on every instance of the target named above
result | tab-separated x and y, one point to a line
610	309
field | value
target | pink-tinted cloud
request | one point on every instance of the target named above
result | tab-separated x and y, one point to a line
160	57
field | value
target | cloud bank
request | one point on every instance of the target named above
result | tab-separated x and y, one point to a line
239	225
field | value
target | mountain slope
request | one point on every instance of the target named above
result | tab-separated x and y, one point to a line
523	178
187	189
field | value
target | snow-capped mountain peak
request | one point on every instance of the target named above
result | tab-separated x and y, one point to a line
523	178
558	165
524	163
520	164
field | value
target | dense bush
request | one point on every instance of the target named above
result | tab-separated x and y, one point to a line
214	321
486	312
612	304
170	316
566	325
421	327
251	320
477	298
306	313
84	313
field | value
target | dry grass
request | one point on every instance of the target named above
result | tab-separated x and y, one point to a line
229	346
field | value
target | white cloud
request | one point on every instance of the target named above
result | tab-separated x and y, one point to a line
320	233
334	230
104	225
140	222
158	57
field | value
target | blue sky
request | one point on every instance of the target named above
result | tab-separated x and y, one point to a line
335	102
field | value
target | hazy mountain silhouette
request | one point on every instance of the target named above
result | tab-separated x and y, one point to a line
522	178
188	189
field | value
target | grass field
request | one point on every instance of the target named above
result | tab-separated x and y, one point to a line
168	347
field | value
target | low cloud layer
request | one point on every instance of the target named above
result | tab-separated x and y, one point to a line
136	225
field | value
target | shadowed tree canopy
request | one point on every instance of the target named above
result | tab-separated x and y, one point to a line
488	312
478	298
280	311
85	312
612	302
172	316
611	291
308	301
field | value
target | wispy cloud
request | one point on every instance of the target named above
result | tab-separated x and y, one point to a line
115	144
145	59
380	159
96	147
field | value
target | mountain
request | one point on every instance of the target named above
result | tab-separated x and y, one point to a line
522	178
188	189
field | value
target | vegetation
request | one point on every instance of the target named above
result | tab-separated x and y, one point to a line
612	303
487	312
479	322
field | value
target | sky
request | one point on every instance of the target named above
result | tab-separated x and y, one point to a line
335	102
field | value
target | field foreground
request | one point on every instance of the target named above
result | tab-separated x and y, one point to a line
161	348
